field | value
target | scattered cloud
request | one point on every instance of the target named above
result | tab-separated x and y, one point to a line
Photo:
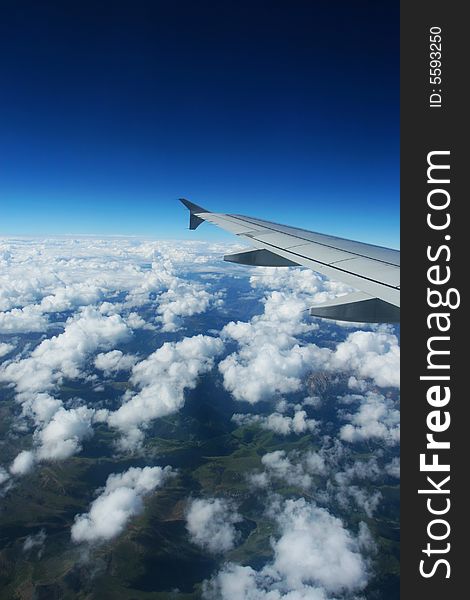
6	349
35	542
393	468
211	524
163	378
315	558
121	499
278	465
63	434
114	361
377	418
279	423
23	463
4	475
272	360
370	354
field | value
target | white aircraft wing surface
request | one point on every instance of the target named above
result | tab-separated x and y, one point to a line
373	271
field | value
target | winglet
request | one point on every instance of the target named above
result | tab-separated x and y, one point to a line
194	210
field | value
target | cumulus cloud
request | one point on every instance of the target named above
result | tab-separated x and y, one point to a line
22	320
315	558
23	463
182	299
163	378
6	349
271	360
211	524
35	378
63	355
279	423
393	468
121	499
371	354
41	277
280	466
114	361
376	418
364	500
62	436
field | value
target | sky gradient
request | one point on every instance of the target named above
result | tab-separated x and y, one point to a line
113	110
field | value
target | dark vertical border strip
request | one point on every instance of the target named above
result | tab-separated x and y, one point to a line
423	130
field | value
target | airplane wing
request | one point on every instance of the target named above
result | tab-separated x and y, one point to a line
372	270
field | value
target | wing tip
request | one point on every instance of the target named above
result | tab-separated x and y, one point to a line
194	210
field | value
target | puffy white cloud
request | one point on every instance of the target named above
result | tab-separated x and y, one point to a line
316	463
63	435
5	349
114	361
315	558
376	418
211	524
305	283
279	423
22	320
41	277
393	468
182	299
279	465
64	355
365	500
121	499
58	431
163	378
23	463
271	359
371	354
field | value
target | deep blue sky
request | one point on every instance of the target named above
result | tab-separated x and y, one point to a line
110	111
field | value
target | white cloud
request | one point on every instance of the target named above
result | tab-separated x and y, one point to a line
121	499
163	378
36	541
22	320
365	500
41	277
279	423
211	524
371	354
316	463
64	355
315	558
114	361
376	418
58	431
4	475
271	360
5	349
279	465
23	463
182	299
62	436
393	468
